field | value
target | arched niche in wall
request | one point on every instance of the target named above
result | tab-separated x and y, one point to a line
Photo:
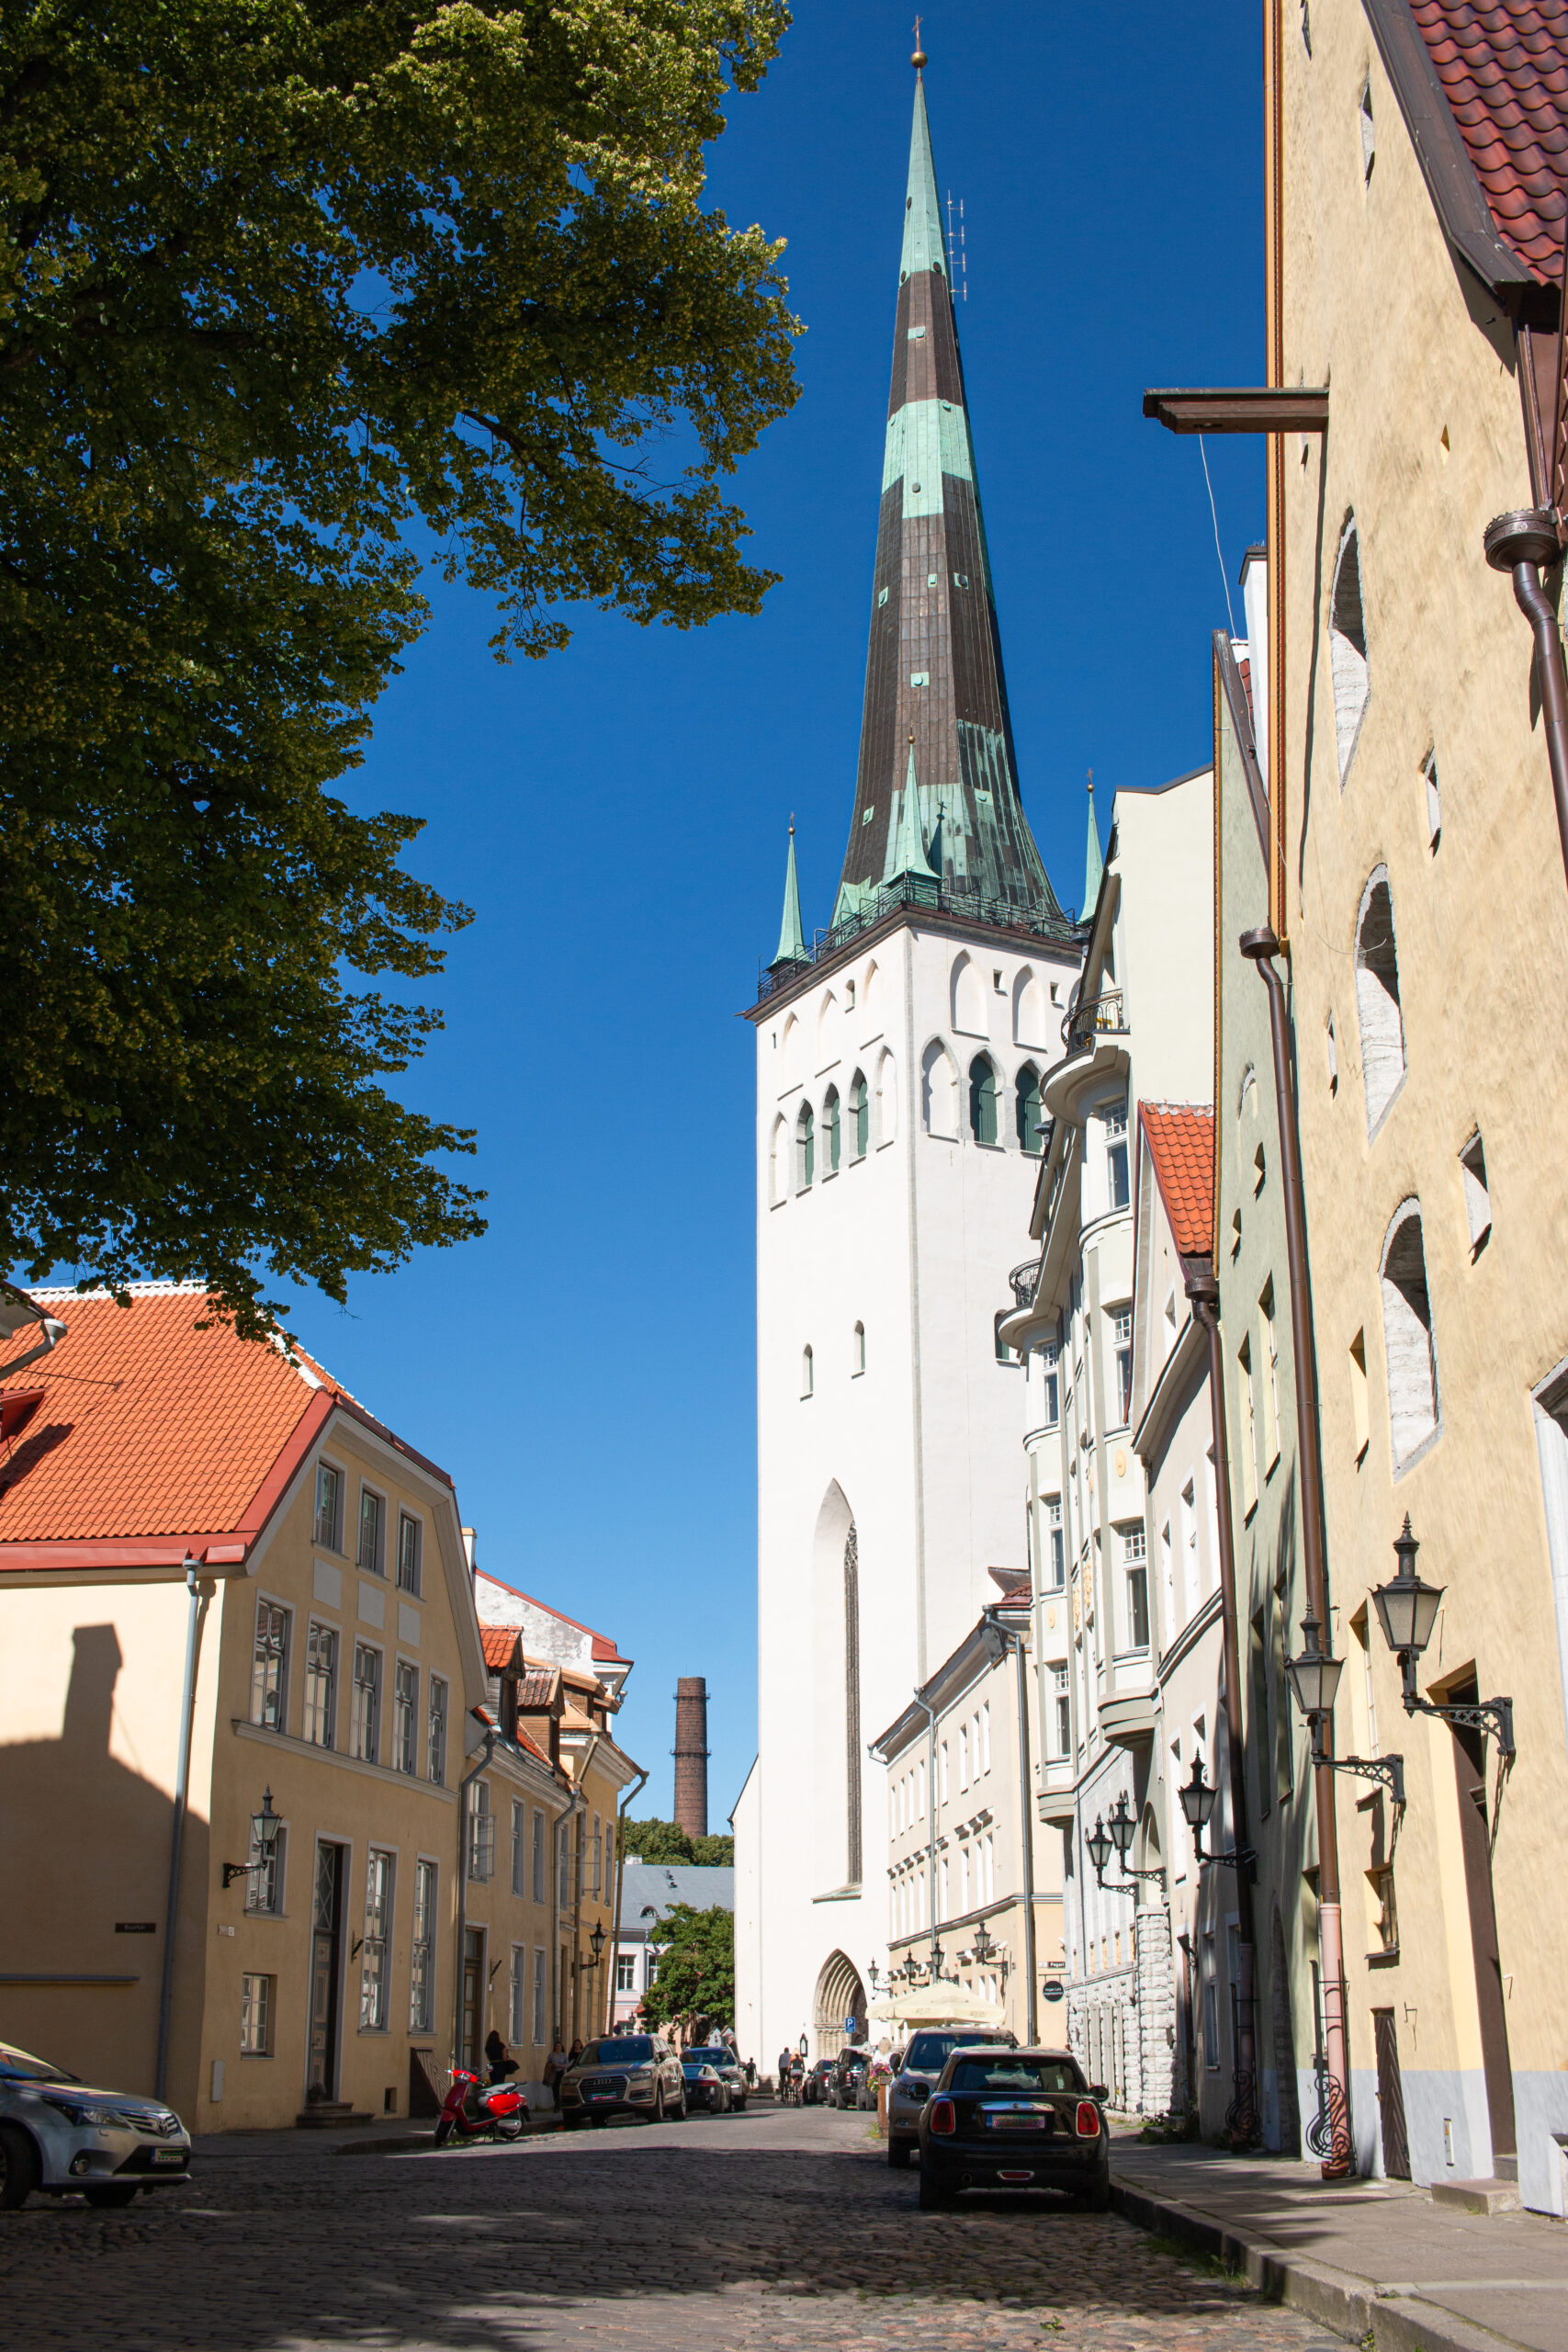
939	1091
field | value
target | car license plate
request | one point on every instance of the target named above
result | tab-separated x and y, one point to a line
168	2156
1018	2123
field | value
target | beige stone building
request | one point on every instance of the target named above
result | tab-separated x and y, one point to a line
1411	739
227	1591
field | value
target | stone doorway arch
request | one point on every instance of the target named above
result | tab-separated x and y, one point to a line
840	1994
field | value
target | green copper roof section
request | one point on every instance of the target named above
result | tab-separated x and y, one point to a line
909	841
923	247
792	939
1094	864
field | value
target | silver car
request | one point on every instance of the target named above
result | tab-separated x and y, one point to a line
927	2054
626	2074
726	2066
58	2135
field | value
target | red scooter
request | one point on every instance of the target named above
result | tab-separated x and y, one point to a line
498	2107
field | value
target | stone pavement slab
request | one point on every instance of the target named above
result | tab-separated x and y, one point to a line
778	2232
1366	2254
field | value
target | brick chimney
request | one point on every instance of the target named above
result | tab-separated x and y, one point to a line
692	1755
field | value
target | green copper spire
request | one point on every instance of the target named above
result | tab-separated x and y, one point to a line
923	246
1094	864
908	842
792	939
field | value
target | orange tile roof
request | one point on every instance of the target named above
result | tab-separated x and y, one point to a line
500	1644
537	1689
1179	1139
152	1430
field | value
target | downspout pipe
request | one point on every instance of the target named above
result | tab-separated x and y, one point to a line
636	1790
1526	544
1203	1291
487	1750
931	1839
1260	947
178	1828
1013	1640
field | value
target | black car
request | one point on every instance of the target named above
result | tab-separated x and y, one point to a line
813	2090
915	2074
705	2086
1014	2119
850	2069
725	2065
626	2074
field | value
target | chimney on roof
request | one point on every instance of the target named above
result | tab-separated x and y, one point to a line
692	1755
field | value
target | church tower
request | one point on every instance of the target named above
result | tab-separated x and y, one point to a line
898	1111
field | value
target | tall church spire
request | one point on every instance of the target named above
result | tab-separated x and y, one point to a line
1093	864
933	676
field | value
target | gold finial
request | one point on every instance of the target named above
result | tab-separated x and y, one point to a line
918	58
1091	783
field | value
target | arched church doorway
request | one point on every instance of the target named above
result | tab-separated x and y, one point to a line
840	1994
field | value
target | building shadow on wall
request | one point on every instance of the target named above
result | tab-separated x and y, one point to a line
84	1863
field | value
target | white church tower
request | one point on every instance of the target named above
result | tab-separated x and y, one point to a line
898	1067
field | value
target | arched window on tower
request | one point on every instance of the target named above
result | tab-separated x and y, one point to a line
1377	1000
830	1129
852	1708
807	1373
804	1149
982	1100
860	1117
857	1352
939	1089
1407	1335
1028	1109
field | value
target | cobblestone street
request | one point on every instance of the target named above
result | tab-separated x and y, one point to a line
770	2230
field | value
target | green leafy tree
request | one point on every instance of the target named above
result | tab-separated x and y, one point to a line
292	292
696	1967
665	1841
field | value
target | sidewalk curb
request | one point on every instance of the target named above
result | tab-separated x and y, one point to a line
1336	2300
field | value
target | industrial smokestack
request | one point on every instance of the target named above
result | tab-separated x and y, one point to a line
692	1755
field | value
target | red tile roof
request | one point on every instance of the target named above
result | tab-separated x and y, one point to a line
1503	65
154	1433
500	1644
537	1689
1179	1139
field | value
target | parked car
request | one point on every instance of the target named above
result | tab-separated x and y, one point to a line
728	2067
927	2054
626	2074
58	2134
849	2072
814	2091
1014	2119
706	2087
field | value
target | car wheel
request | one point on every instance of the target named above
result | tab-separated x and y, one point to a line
110	2192
934	2197
899	2154
18	2168
658	2104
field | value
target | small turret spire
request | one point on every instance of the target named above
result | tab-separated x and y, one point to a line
1094	864
909	843
792	939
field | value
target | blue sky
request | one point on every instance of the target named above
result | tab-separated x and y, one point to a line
617	816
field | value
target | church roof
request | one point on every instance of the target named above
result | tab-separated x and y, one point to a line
937	767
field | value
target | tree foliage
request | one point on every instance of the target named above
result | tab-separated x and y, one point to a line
290	289
696	1967
665	1841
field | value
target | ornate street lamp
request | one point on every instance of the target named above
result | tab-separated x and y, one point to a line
1198	1801
874	1974
982	1946
1407	1612
596	1942
264	1826
1122	1829
1313	1676
1100	1843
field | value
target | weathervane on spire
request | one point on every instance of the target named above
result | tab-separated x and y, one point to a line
918	58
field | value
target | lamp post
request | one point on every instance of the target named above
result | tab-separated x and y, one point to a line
1122	1827
1100	1842
1198	1800
1314	1678
264	1826
1407	1612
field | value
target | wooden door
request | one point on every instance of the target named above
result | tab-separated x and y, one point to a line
1391	2098
473	1998
326	1953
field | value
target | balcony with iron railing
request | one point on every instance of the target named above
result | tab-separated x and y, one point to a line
1095	1038
1098	1016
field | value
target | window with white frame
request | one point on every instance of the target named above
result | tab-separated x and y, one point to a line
1115	1120
984	1724
405	1718
320	1686
1122	1334
481	1832
517	1986
372	1517
269	1670
329	1506
538	1856
942	1763
1049	1386
364	1724
563	1868
1057	1556
1135	1565
373	1983
436	1743
596	1878
539	2026
410	1546
1062	1704
964	1755
626	1972
255	2015
519	1851
421	1967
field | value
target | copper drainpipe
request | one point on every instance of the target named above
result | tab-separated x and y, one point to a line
1260	947
1203	1291
1525	544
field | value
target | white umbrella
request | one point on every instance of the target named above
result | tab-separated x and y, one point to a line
943	2002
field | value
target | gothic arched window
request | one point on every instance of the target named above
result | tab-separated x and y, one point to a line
982	1100
830	1129
804	1149
860	1117
1028	1109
